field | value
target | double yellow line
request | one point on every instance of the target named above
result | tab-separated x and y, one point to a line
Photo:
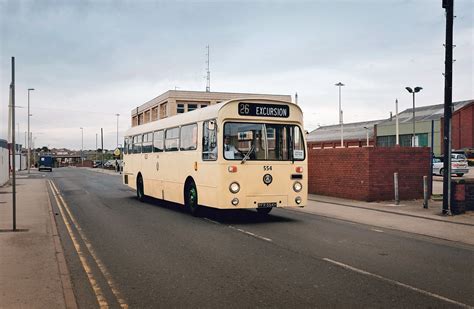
70	221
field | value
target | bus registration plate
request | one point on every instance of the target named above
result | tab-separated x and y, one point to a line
266	205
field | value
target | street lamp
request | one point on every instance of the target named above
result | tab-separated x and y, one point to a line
117	127
413	91
340	114
29	139
82	146
367	132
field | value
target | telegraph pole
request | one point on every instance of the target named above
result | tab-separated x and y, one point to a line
448	5
12	89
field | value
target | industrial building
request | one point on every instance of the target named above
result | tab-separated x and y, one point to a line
174	102
355	135
428	119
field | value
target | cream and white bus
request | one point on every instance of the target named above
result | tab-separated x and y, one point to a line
245	153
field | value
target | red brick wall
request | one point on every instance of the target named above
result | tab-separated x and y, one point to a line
367	173
462	128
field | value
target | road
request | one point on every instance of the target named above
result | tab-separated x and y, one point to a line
154	254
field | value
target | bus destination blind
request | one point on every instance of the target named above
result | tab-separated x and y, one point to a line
264	110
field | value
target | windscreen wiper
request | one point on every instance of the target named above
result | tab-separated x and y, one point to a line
247	155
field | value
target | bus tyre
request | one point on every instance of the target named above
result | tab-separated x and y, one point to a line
191	198
140	191
264	211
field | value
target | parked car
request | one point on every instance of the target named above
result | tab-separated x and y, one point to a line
459	166
97	164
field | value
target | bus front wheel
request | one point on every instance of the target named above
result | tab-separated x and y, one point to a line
191	198
264	211
140	191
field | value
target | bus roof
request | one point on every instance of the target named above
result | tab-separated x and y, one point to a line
199	114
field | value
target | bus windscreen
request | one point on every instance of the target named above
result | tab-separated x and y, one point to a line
263	142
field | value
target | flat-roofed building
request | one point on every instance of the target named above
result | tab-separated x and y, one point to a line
173	102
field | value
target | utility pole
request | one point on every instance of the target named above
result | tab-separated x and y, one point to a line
29	140
117	127
448	5
12	90
82	146
396	124
208	78
96	146
102	145
341	121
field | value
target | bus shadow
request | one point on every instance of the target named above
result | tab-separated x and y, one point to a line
230	216
243	216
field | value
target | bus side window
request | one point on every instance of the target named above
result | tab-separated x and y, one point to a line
147	142
130	145
137	143
125	145
189	137
209	141
172	139
158	141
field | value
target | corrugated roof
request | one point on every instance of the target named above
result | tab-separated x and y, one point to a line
352	131
426	113
356	130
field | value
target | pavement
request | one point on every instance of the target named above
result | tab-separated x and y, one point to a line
33	271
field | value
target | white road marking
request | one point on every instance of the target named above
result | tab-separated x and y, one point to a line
366	273
376	230
250	233
85	265
102	268
212	221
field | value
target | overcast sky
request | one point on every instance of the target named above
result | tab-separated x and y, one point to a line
89	60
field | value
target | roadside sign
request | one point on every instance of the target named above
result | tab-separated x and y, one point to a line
117	152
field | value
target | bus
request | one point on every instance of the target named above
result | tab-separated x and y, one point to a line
241	153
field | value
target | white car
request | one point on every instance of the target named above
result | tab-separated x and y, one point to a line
458	167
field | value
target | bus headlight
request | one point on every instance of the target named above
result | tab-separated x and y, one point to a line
298	200
235	201
297	186
234	187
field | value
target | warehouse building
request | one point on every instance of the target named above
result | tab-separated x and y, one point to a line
355	135
428	120
174	102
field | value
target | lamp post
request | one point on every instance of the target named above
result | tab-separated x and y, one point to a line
413	91
340	114
29	139
82	146
367	133
118	115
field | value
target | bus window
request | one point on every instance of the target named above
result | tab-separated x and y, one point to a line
172	139
158	141
259	141
298	145
147	142
209	140
188	137
125	145
137	144
130	145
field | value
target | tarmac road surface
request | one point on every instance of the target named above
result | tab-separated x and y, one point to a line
126	253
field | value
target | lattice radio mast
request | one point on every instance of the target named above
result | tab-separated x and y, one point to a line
208	77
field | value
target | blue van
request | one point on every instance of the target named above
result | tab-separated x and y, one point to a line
45	163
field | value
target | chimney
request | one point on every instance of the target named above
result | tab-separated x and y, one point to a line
391	116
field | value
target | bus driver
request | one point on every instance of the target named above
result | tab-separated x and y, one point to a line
230	151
